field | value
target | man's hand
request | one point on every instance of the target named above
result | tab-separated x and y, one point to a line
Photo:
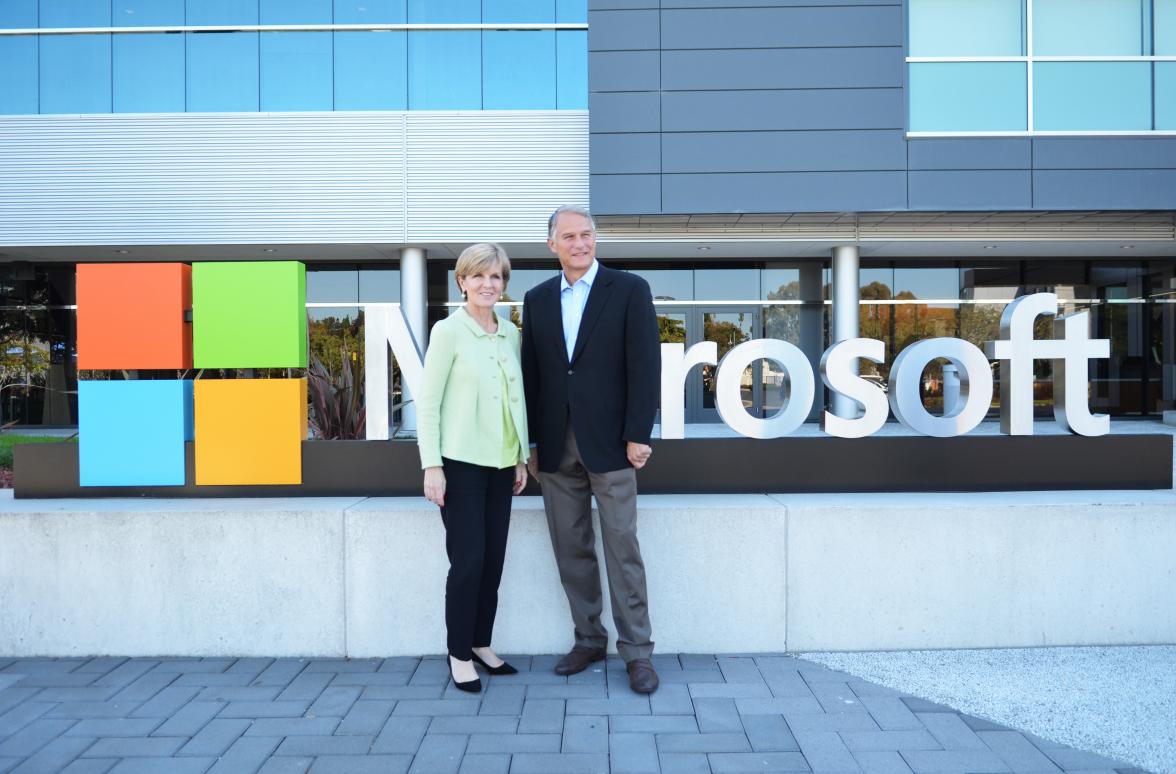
533	463
638	454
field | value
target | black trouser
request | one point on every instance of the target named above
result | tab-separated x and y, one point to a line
477	516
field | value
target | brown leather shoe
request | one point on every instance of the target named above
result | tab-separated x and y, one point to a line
642	677
578	660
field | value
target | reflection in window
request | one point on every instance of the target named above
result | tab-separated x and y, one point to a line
221	12
328	285
1164	26
75	74
18	75
147	13
336	372
967	27
371	70
528	11
148	73
780	284
1087	28
222	72
1165	94
295	11
927	283
455	11
968	96
75	13
726	284
379	284
370	11
668	284
1092	96
571	11
518	70
571	69
296	71
444	70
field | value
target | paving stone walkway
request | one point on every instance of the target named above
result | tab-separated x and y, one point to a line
712	714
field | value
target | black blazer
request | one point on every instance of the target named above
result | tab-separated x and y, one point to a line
611	386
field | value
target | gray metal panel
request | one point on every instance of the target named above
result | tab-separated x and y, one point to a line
784	151
783	192
609	5
1104	153
759	110
785	68
667	4
622	30
625	112
624	71
626	194
804	27
971	153
626	153
1109	189
971	190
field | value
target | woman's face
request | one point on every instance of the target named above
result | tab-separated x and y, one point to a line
483	287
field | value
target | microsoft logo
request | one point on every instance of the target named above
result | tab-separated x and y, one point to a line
172	316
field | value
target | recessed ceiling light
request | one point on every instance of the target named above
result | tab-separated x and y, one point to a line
703	249
989	247
269	250
123	252
1126	247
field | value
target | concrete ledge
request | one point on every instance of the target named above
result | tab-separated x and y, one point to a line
727	573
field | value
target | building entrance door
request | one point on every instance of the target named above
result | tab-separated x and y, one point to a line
728	327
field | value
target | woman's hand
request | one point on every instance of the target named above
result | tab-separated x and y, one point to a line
520	477
435	486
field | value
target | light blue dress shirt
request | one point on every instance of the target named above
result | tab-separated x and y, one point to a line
572	300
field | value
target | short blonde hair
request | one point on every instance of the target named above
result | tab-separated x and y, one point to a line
481	257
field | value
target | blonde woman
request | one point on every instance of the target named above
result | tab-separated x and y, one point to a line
472	435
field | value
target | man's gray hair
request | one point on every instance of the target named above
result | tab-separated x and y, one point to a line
573	208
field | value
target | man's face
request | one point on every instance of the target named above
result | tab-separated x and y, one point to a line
574	242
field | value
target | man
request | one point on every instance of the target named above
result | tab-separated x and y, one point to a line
591	370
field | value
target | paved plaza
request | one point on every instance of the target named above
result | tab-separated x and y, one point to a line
712	714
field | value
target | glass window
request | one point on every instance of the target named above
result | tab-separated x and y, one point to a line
370	11
371	70
444	70
571	11
331	285
780	284
522	280
147	13
1087	28
18	75
876	284
1165	91
991	282
379	284
935	284
296	71
295	11
967	27
518	70
75	74
18	14
527	11
75	13
1164	27
455	11
668	284
149	73
571	69
1092	96
222	72
222	12
968	96
726	284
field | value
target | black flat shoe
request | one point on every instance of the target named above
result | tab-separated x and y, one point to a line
471	686
502	669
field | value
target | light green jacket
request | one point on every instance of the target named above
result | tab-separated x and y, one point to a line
459	410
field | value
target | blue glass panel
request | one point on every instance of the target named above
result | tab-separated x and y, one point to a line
75	13
222	72
444	70
455	11
147	13
518	70
296	71
18	75
1087	28
571	69
1166	95
370	11
1164	27
75	74
967	27
968	97
571	11
18	14
371	70
149	73
222	12
295	12
1091	96
528	11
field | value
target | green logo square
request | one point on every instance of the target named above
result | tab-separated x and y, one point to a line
249	314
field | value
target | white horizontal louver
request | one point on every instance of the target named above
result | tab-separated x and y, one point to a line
304	178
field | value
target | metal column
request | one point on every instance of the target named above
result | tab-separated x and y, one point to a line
812	328
414	301
846	289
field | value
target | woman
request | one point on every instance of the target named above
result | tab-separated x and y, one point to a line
472	434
